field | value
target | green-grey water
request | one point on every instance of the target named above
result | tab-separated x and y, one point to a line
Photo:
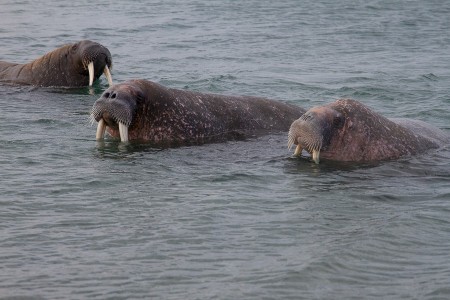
238	220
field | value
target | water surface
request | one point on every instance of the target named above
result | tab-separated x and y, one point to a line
237	220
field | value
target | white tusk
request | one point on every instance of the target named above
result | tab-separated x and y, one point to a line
101	128
108	75
91	73
298	150
123	130
315	156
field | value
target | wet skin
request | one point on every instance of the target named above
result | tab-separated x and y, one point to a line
347	130
72	65
147	111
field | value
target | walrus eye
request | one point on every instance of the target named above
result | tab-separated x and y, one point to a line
306	116
338	121
74	47
139	97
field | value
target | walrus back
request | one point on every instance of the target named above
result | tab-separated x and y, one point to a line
425	130
6	65
8	71
242	112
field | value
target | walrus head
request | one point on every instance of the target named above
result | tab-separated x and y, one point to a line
314	130
116	110
92	59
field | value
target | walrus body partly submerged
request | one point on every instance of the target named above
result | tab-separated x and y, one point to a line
147	111
347	130
72	65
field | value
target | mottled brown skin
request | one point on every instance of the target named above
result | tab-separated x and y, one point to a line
171	117
347	130
63	67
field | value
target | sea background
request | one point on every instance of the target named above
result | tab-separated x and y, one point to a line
236	220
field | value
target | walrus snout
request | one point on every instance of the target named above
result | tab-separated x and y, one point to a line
113	110
313	131
306	133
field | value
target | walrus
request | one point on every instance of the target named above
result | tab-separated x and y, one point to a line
72	65
348	131
147	111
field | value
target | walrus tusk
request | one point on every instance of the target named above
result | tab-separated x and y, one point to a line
315	156
108	75
91	73
123	130
101	128
298	150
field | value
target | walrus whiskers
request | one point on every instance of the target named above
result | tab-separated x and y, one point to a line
290	141
313	148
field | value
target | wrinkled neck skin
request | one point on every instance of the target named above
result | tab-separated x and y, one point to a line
171	117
